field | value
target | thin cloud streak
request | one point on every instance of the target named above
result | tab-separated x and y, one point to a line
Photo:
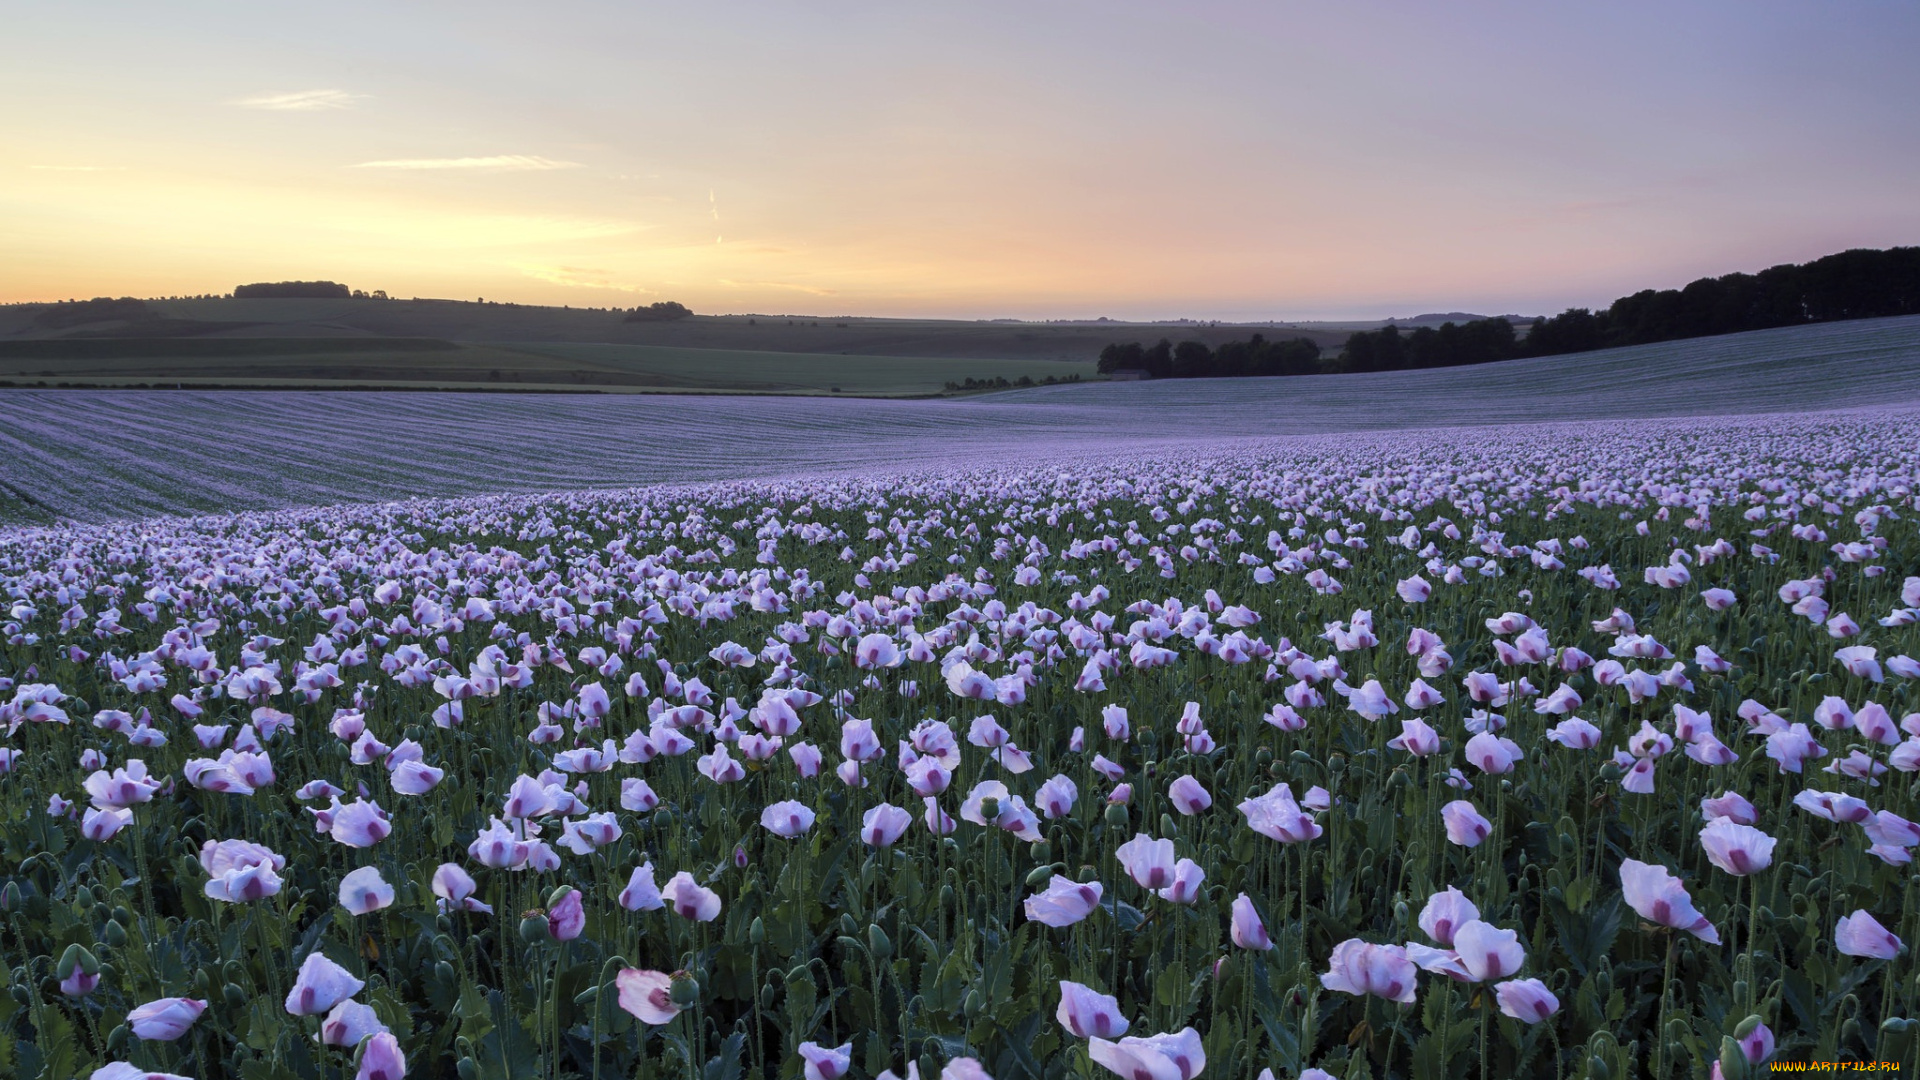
495	163
580	277
302	101
79	168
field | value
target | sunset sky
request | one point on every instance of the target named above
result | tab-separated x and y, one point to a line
1243	160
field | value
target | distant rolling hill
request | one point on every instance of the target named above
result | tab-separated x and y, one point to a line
101	455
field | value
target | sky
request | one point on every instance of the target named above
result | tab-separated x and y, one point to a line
1029	159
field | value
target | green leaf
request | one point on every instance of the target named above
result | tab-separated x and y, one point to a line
726	1064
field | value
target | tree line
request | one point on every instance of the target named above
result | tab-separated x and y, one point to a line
1857	284
1194	360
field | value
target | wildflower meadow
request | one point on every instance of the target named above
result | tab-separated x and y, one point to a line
1577	750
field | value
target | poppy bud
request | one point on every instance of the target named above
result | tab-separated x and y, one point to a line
684	990
76	957
235	997
467	1068
1733	1062
445	973
558	894
877	942
1277	771
121	915
117	1040
1597	1068
757	932
10	896
534	929
973	1004
115	935
83	900
1166	825
1039	876
415	732
739	857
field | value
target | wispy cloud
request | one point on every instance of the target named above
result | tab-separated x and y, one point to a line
79	168
496	163
302	101
809	289
580	277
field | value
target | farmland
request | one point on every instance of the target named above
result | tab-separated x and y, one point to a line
1537	719
93	456
1420	754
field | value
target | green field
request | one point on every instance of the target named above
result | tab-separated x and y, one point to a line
801	373
420	363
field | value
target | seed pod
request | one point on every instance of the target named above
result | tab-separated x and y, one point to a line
1116	816
1263	757
684	989
1042	852
534	929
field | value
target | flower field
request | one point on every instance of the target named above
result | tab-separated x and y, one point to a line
1555	751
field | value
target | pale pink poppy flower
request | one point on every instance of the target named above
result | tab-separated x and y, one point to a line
1738	849
641	894
1526	1000
320	986
825	1063
364	890
787	819
647	995
1162	1057
884	825
1486	951
1086	1013
1245	928
1185	886
1660	897
1278	816
1416	737
1446	912
689	899
1860	934
1732	806
1148	861
165	1019
1575	734
1359	968
1188	796
1063	902
1832	805
1464	823
349	1023
1793	747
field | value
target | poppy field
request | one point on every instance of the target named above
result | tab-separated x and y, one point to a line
1577	750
